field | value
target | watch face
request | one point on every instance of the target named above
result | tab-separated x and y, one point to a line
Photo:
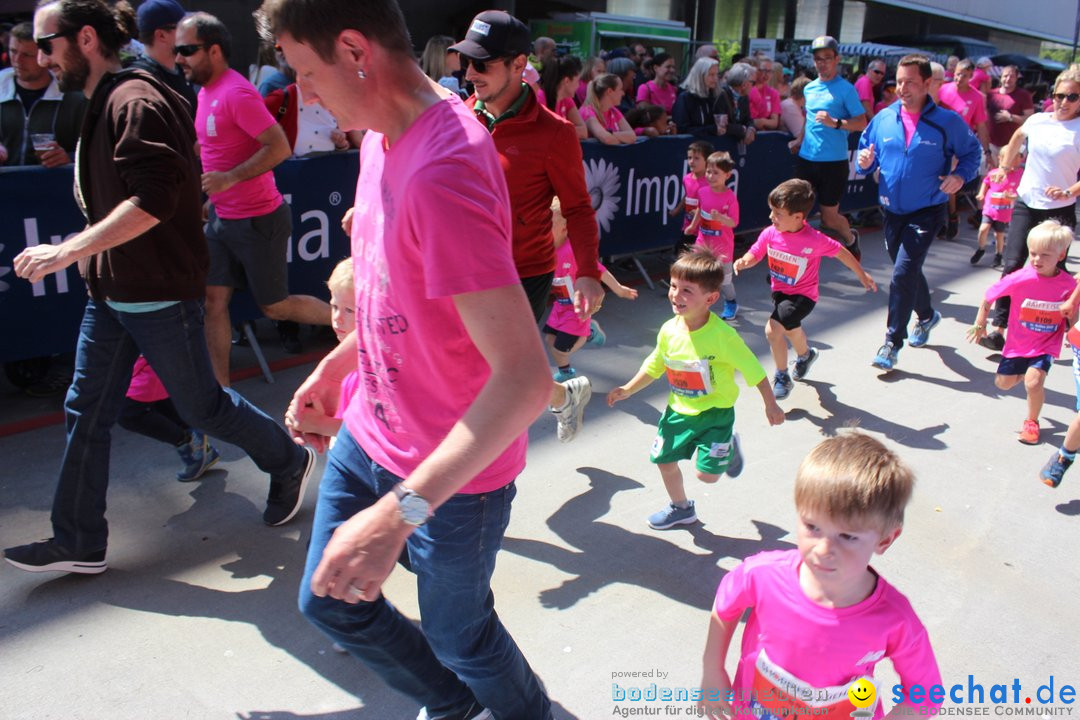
414	509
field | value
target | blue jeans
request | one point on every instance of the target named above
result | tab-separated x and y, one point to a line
461	652
908	238
173	341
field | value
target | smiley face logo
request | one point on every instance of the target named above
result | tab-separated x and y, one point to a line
862	693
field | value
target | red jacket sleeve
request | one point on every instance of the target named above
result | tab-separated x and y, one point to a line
566	171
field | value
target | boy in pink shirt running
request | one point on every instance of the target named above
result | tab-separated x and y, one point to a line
696	152
794	250
822	618
998	198
1036	325
564	332
715	220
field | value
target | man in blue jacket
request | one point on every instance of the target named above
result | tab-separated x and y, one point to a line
914	142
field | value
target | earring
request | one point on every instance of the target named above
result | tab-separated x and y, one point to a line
361	74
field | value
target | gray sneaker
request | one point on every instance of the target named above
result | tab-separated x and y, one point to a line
735	462
578	392
802	364
671	516
782	385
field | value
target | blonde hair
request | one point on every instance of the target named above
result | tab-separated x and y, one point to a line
597	88
433	61
1071	74
853	477
1050	235
341	278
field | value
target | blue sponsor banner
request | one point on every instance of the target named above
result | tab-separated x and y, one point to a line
38	207
633	189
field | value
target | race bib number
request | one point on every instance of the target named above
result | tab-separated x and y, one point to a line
692	202
1041	316
688	378
778	694
785	267
1001	201
709	225
562	289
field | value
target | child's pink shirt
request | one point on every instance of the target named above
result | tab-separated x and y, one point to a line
348	389
712	233
999	197
691	186
562	316
611	119
421	370
230	117
794	258
146	386
797	655
1036	325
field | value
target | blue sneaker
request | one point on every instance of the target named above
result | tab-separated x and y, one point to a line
198	456
802	364
735	462
920	334
782	385
671	516
886	356
597	337
731	309
1054	470
561	376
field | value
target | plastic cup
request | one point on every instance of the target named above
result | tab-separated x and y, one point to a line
42	141
721	120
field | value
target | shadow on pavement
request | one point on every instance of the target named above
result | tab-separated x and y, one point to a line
617	555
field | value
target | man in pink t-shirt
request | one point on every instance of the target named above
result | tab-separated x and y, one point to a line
868	87
248	224
764	99
453	373
970	104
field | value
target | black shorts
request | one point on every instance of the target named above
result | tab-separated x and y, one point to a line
995	225
1020	365
250	253
564	341
828	178
790	310
538	290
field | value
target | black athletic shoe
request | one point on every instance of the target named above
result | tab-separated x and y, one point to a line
287	493
854	246
977	256
953	227
289	332
993	341
48	556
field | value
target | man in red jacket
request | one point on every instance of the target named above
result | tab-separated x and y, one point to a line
541	156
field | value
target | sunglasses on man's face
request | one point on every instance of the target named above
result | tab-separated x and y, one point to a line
44	43
189	50
1071	97
878	72
481	66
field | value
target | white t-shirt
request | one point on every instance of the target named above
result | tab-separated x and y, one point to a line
1053	159
313	127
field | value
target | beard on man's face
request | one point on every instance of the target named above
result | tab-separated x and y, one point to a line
73	77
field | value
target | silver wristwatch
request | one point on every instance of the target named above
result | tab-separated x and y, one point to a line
414	509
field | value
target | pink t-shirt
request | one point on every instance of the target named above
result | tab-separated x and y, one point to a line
1036	325
230	116
798	658
564	106
978	77
432	221
652	93
794	258
711	232
691	186
348	389
865	89
764	101
611	117
999	197
145	384
910	120
971	104
562	316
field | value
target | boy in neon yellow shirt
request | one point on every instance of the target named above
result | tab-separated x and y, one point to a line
699	352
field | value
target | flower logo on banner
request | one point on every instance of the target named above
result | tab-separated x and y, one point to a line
602	179
4	270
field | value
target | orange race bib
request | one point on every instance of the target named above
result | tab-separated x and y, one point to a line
688	378
785	267
1041	316
562	289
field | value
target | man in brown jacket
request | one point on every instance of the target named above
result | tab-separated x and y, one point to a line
144	258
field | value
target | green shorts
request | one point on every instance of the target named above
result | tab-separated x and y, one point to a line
678	436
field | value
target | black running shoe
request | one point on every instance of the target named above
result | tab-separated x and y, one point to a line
48	556
287	493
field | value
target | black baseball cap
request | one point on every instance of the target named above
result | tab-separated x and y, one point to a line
492	34
825	42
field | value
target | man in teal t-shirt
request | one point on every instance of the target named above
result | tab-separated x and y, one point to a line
833	110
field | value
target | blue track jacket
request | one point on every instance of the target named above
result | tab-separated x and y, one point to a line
911	174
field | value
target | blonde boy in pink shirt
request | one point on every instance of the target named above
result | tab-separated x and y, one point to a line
822	618
1036	325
